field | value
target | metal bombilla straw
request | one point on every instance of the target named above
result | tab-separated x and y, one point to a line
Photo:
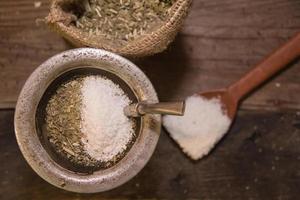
165	108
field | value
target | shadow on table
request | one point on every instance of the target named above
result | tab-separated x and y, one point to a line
166	70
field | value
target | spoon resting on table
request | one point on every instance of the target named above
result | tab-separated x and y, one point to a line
208	115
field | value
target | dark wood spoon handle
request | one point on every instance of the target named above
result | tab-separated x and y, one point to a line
265	69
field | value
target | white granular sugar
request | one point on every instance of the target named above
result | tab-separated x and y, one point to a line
201	127
107	130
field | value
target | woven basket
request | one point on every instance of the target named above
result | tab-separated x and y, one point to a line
59	20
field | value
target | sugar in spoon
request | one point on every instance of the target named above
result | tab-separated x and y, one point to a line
209	114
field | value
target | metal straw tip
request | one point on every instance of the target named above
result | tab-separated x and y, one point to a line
166	108
132	110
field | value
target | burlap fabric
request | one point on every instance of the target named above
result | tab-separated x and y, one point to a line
60	17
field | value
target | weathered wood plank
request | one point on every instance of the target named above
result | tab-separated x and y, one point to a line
219	42
258	159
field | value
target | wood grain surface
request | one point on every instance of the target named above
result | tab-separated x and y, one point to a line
258	159
218	43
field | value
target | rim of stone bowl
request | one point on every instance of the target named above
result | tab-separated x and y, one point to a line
37	156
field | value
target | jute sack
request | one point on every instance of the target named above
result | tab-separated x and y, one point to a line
61	17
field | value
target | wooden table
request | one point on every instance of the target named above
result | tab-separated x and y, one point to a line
260	156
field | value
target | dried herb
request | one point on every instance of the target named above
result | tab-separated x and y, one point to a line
122	20
63	123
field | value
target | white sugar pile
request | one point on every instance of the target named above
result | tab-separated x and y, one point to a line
107	130
201	127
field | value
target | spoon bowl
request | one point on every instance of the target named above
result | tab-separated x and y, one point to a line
228	102
205	121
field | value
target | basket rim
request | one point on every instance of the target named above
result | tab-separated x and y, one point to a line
164	34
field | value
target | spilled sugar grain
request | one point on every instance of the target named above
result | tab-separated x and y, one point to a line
106	129
201	127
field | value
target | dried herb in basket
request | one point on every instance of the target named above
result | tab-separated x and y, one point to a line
123	20
152	24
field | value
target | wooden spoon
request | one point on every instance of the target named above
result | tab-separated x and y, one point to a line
279	59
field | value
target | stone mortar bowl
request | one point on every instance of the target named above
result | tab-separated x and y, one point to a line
28	136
